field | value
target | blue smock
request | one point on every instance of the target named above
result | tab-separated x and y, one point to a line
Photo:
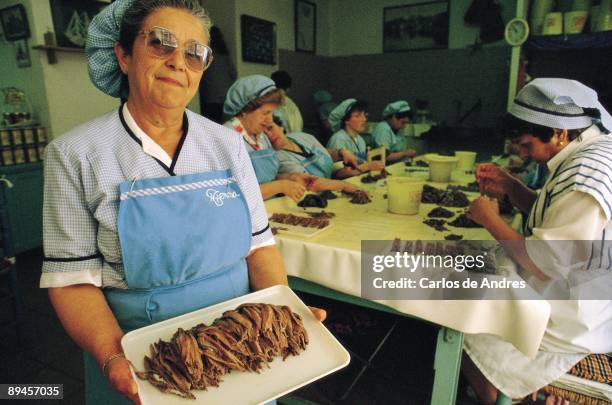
384	135
312	159
357	145
184	242
266	164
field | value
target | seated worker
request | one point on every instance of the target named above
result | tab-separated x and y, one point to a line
348	119
302	153
324	103
561	124
395	117
251	100
292	117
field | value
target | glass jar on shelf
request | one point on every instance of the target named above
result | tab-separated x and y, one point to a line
16	109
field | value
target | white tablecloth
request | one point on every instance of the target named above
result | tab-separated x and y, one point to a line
332	259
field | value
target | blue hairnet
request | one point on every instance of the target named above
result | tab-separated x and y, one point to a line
396	107
336	115
102	34
245	90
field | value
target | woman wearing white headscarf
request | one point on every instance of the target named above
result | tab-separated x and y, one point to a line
560	123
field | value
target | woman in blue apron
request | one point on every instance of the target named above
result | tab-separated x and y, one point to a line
302	153
251	101
151	211
561	124
347	120
396	116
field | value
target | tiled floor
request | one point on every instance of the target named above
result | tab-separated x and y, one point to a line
400	373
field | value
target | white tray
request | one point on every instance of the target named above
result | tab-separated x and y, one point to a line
296	230
323	355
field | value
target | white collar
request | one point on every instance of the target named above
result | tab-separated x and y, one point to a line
589	135
149	146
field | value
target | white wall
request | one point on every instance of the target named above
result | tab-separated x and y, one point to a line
280	12
357	25
71	97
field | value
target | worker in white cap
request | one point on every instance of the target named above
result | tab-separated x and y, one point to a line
396	116
559	123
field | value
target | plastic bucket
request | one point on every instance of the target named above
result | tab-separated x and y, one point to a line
440	167
404	194
466	160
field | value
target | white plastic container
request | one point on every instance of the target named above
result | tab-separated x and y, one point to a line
404	194
440	167
467	159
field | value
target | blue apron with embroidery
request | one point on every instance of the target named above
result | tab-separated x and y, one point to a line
319	164
184	242
265	163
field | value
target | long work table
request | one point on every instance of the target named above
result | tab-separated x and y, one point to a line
328	263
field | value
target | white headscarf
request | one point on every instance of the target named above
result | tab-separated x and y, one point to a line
560	103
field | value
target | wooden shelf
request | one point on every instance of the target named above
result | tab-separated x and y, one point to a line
51	58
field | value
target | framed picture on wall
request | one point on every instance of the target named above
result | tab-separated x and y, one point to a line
416	26
258	40
71	19
305	26
15	22
22	54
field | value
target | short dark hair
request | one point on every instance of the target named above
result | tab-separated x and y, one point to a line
514	127
282	79
357	106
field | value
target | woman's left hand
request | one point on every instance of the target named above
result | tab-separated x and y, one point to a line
318	313
483	209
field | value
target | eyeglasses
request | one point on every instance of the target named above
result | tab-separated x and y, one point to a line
161	43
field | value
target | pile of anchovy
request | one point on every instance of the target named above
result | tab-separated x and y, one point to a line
243	339
472	187
358	197
445	198
440	212
369	178
462	221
